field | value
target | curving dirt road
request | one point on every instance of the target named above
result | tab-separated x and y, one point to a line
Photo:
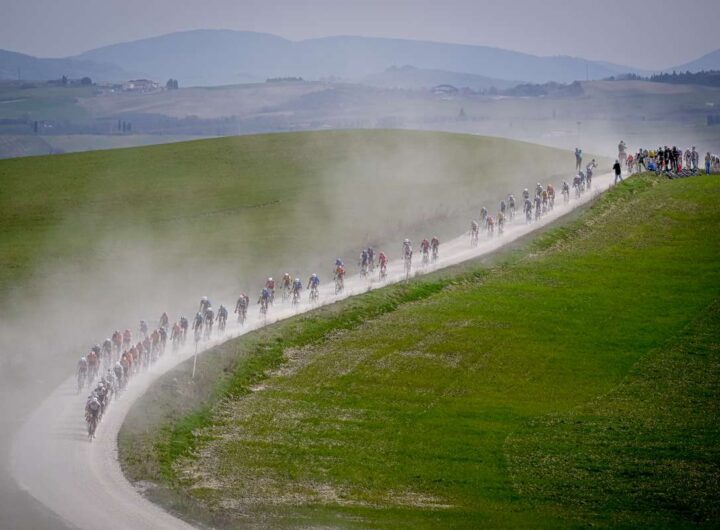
82	482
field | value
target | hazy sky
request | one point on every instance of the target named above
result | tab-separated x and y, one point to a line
642	33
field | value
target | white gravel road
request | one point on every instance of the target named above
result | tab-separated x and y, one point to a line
82	482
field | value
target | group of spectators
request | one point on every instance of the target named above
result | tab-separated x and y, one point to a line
671	159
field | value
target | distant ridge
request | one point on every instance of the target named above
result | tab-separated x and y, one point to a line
709	61
409	77
221	57
215	57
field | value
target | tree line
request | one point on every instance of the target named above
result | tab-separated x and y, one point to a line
705	78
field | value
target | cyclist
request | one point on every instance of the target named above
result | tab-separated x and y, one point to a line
241	307
270	286
313	285
176	335
483	215
407	249
339	277
296	288
204	304
285	285
382	261
264	300
184	327
434	246
221	318
82	370
364	262
198	323
425	248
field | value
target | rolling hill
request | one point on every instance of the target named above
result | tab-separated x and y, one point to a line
572	383
710	61
261	182
409	77
128	233
27	67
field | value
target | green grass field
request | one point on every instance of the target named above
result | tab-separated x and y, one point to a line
245	207
572	383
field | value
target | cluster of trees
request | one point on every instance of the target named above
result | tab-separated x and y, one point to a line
706	78
124	126
547	89
64	81
172	84
527	90
283	79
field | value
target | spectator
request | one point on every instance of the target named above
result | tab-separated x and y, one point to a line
618	171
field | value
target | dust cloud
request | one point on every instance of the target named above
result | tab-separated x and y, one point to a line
369	192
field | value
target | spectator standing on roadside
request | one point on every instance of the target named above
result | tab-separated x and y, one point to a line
695	158
578	159
622	152
640	160
617	168
708	162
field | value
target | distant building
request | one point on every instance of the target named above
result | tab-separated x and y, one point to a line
444	90
140	85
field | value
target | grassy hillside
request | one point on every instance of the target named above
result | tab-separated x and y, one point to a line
40	102
74	143
575	383
254	204
23	145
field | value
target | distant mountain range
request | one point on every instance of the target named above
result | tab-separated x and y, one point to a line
220	57
215	57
